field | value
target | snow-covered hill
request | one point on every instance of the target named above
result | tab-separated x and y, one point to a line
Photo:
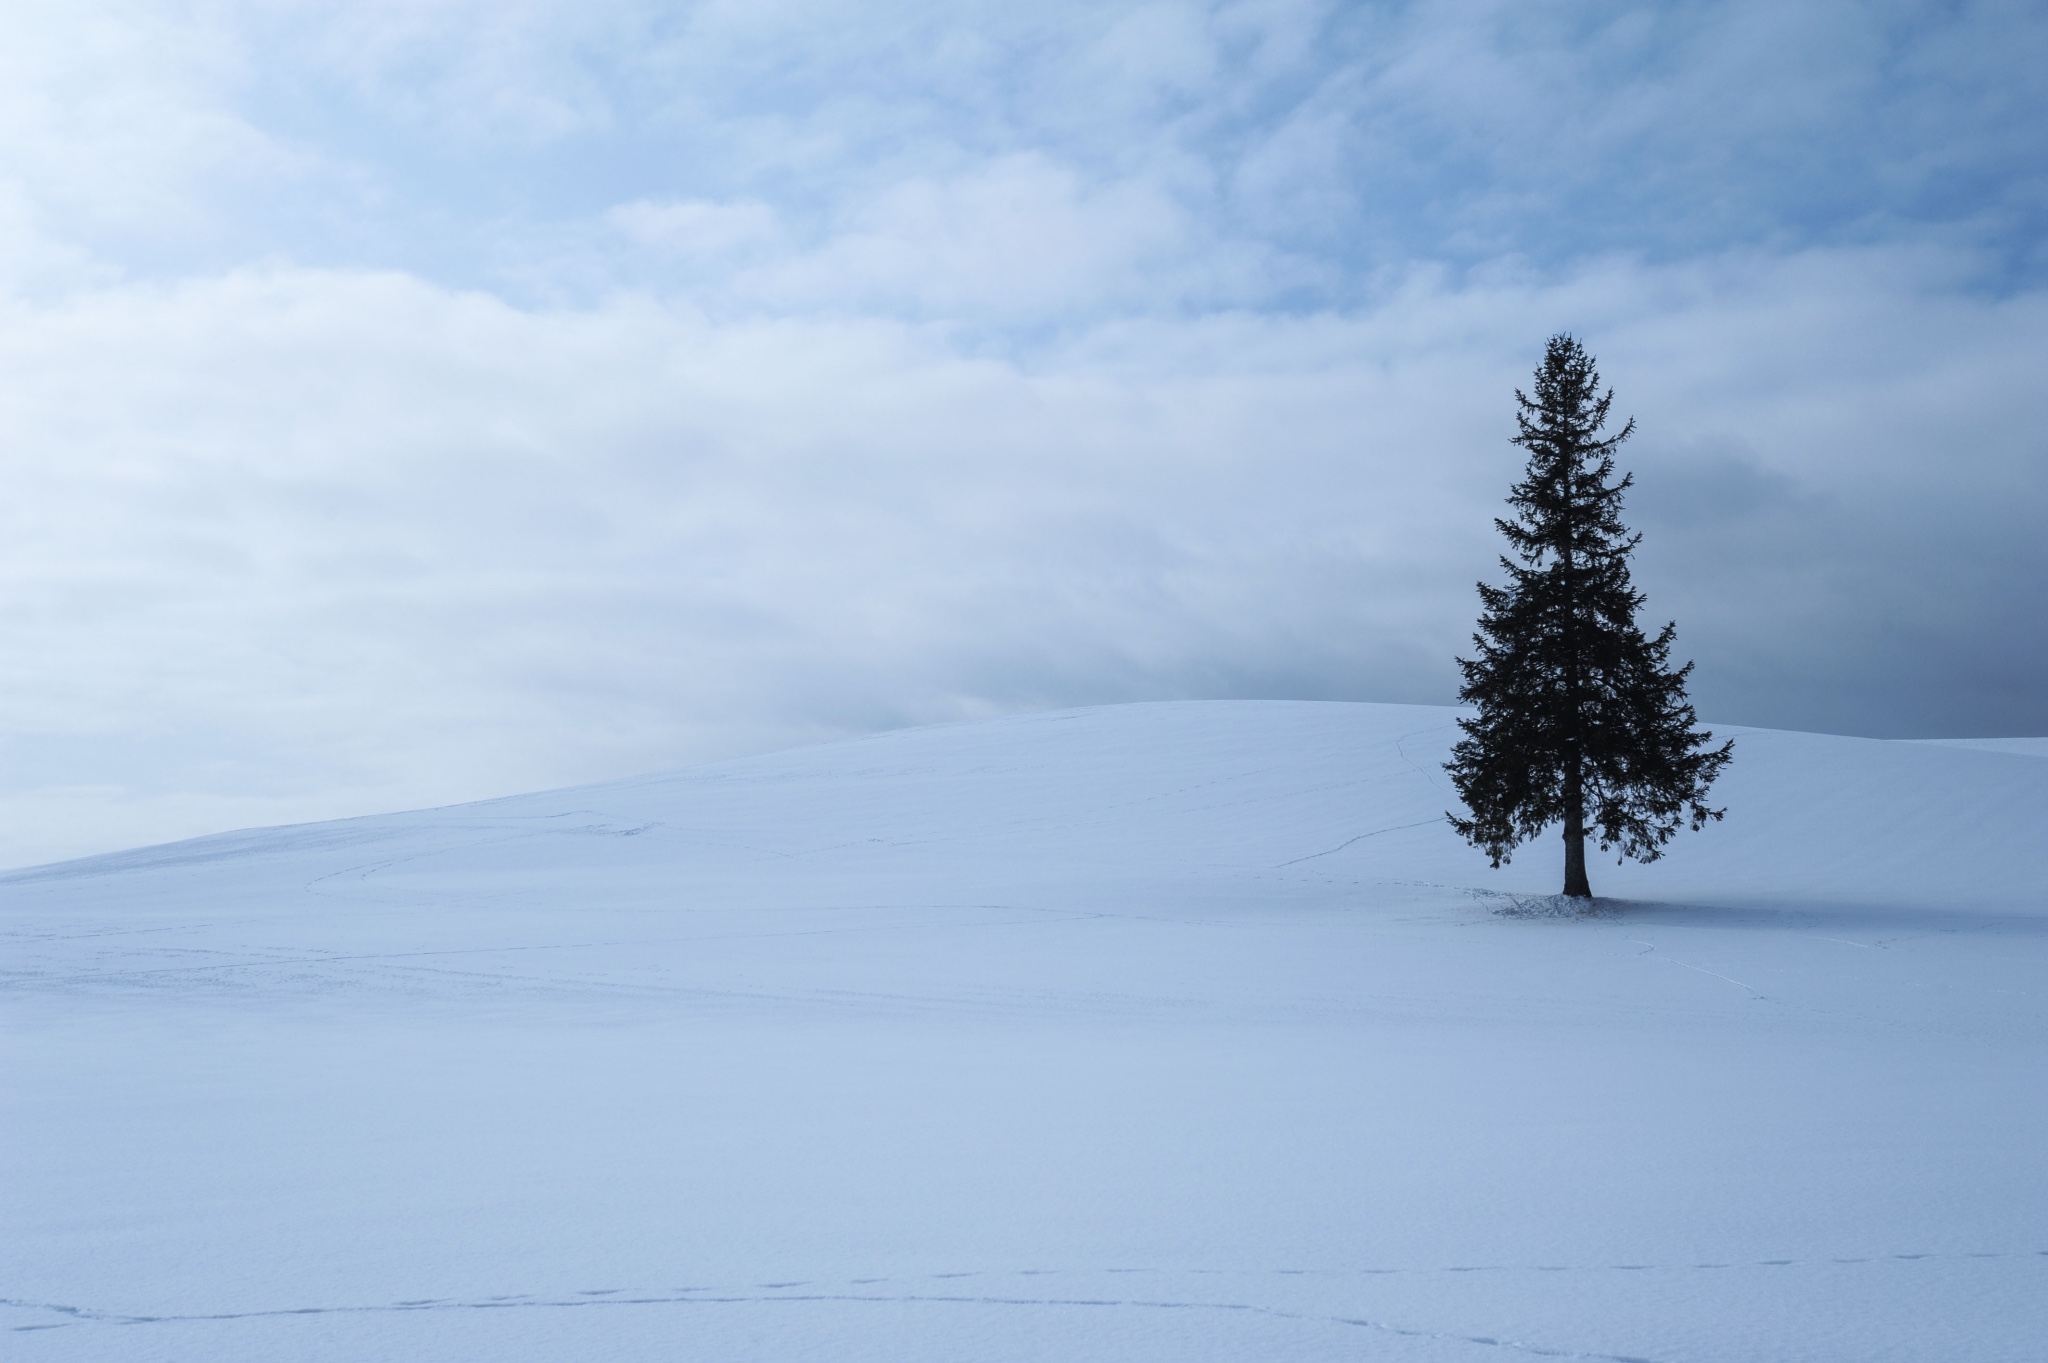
1174	1031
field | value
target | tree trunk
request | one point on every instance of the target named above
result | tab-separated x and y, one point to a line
1575	883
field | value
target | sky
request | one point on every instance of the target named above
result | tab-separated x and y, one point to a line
415	401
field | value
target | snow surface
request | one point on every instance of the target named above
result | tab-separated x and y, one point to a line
2029	747
1178	1031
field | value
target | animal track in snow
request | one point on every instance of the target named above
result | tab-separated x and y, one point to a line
908	1293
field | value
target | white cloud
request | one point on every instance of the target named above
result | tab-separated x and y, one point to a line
1019	237
116	122
698	228
291	542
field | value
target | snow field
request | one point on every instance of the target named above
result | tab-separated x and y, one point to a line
1177	1031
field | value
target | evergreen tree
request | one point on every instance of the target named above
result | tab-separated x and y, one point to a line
1581	719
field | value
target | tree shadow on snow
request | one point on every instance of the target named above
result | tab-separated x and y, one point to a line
1789	915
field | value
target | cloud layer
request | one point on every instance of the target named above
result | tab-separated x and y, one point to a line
423	401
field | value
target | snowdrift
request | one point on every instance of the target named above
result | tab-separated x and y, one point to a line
1170	1031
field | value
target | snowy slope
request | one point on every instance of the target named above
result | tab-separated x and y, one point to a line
2029	747
1174	1031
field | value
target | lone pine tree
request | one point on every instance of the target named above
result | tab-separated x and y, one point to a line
1581	719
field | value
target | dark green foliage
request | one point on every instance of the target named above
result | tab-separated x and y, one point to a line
1581	719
